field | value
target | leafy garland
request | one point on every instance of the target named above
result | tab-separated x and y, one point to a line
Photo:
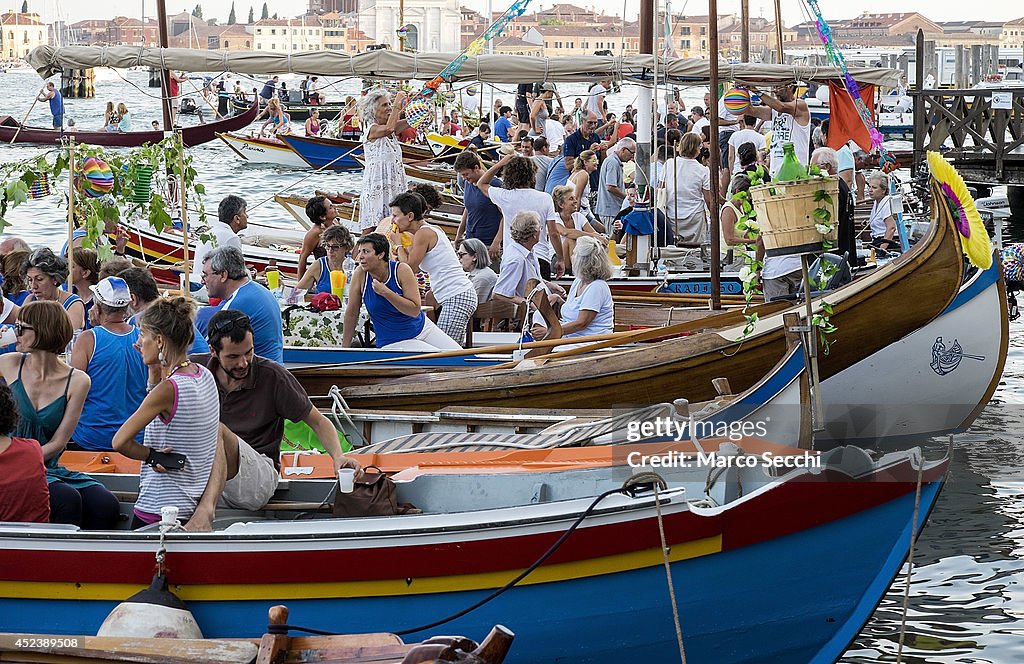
130	169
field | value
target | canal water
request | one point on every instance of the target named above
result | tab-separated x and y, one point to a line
967	593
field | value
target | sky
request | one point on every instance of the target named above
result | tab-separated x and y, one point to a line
937	10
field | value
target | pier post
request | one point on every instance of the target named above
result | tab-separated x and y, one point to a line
919	127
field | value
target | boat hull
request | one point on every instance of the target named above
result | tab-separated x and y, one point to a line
328	153
263	151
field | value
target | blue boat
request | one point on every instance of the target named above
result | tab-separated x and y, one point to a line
336	154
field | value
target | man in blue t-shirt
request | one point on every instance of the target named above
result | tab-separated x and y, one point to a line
52	94
227	278
587	137
503	124
481	217
269	88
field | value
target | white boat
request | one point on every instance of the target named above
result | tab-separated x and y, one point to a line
262	150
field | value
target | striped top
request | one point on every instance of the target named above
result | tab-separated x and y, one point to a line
190	430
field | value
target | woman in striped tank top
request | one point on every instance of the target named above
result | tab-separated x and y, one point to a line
180	414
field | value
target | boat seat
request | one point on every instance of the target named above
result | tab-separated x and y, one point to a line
495	314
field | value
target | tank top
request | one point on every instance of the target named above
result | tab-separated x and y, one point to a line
390	324
118	387
314	127
786	130
538	121
190	430
323	284
447	278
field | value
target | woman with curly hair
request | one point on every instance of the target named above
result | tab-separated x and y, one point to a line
518	195
23	493
14	288
44	273
383	172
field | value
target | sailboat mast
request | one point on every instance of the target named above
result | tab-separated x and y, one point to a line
715	161
165	76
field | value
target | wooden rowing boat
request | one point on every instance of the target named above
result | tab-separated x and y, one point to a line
197	135
870	313
262	150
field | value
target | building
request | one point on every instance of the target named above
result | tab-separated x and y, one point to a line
431	25
291	35
125	31
332	7
20	33
763	40
1012	35
342	34
967	33
89	32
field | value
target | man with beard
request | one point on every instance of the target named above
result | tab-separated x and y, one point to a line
790	122
256	396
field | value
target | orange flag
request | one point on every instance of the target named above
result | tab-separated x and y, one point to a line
844	120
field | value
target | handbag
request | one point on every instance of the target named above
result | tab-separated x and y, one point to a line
373	494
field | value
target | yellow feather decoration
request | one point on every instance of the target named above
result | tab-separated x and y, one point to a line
973	236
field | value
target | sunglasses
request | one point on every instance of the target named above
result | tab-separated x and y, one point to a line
238	321
19	328
460	254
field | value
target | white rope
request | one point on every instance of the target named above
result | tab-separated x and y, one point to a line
910	556
668	575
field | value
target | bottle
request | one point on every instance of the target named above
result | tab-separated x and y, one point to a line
273	275
613	255
791	168
348	266
338	281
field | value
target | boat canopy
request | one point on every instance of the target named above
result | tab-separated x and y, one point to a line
384	64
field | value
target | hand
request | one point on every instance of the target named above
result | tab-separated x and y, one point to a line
603	239
347	462
200	522
400	98
556	289
495	249
378	287
559	269
121	240
538	332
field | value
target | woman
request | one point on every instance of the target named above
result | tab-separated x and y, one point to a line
384	172
313	123
688	191
181	414
476	262
275	116
392	299
588	308
626	128
539	109
110	119
432	252
50	395
579	180
22	473
350	119
44	272
882	221
85	273
317	278
13	280
731	238
572	224
322	215
126	118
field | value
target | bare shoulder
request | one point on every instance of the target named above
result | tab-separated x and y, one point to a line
80	380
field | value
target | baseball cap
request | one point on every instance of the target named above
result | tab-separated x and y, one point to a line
547	87
113	292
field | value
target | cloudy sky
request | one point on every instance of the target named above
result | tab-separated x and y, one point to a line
939	10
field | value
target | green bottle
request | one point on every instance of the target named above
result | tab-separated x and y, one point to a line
791	168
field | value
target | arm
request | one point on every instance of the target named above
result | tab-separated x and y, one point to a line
82	352
484	183
422	242
328	437
355	302
309	277
553	237
408	302
534	110
394	124
890	227
461	233
76	312
309	242
157	402
732	157
847	176
728	221
708	201
206	508
586	318
80	383
580	183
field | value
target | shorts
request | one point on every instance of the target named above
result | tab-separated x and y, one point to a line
58	121
522	112
255	483
723	147
781	286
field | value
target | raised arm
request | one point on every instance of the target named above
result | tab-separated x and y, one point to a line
355	303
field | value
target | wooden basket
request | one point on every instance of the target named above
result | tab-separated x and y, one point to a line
785	213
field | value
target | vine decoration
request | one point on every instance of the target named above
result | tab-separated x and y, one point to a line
131	170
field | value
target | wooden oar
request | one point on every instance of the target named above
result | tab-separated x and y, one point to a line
25	119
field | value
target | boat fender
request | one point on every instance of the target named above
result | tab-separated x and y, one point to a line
155	612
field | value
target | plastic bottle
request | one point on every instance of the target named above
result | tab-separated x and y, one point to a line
273	275
349	266
791	168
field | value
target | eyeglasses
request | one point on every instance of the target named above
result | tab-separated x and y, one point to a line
19	328
460	254
207	275
238	321
332	247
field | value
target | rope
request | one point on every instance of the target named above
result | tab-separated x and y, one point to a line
668	570
910	559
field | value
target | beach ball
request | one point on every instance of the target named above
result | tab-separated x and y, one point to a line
419	113
737	100
94	178
472	90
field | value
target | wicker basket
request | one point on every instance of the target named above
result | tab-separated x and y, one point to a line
785	213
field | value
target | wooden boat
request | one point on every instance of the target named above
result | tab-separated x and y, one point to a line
336	154
347	206
299	112
196	135
919	285
272	647
262	150
481	524
427	170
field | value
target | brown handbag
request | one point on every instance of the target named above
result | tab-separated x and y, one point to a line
373	494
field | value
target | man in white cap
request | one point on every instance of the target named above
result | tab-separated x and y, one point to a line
107	354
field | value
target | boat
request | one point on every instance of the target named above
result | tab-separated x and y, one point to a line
485	522
262	150
447	216
919	284
11	129
325	153
298	111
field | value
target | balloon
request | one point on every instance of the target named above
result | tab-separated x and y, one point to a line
450	96
822	93
472	90
419	113
94	178
737	100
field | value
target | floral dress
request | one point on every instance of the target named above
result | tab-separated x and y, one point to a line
383	178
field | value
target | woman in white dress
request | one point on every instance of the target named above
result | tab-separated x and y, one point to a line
383	173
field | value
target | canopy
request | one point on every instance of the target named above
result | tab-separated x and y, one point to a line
384	64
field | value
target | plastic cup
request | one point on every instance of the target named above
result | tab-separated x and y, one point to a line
337	282
346	480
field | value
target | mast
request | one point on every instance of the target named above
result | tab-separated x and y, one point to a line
778	32
645	108
744	30
716	233
165	76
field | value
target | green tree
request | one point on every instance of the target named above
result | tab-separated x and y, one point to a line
275	16
24	7
266	12
198	11
231	15
251	17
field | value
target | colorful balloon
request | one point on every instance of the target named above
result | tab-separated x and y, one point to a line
449	96
472	90
737	100
94	178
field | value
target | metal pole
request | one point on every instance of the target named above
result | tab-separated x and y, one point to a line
918	105
715	162
71	211
745	30
778	31
165	76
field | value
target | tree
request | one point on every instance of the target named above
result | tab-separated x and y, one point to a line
198	11
24	7
251	18
275	16
266	12
231	15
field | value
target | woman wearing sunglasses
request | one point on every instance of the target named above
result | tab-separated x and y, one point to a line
317	278
50	395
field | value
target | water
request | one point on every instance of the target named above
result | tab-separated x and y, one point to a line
967	595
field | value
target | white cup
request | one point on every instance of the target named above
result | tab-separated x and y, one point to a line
346	480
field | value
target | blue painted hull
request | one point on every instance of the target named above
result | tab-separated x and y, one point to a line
797	598
319	154
294	355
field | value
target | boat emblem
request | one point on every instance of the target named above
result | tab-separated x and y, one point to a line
946	360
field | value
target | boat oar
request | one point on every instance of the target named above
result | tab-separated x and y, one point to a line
25	119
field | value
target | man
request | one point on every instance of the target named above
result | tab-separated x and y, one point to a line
827	160
585	138
174	91
791	123
52	94
846	162
226	277
612	191
304	88
524	96
269	89
313	95
697	120
671	122
11	243
519	264
143	291
231	219
481	138
503	124
256	397
746	135
480	218
554	130
595	100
